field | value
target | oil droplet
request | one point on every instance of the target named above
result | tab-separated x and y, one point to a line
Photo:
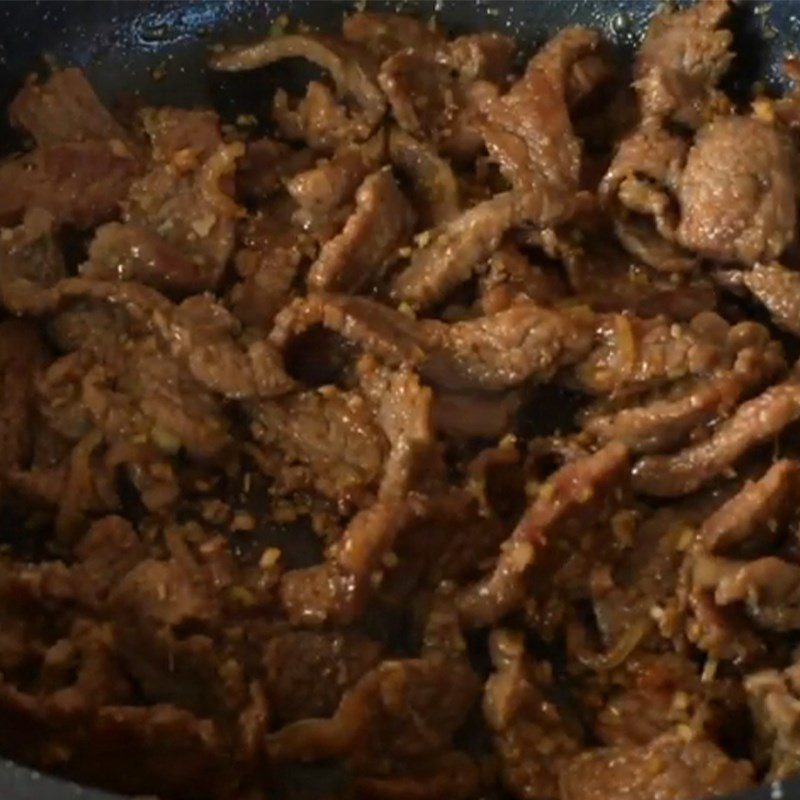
620	23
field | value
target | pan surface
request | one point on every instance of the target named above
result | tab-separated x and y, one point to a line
158	50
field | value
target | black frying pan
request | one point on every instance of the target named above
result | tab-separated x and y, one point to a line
122	43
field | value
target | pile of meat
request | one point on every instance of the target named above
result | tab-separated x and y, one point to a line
440	444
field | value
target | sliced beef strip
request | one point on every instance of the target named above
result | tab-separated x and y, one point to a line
351	68
382	222
681	61
777	288
385	34
329	184
532	737
433	183
64	108
307	672
327	439
579	491
737	193
529	134
79	183
483	415
635	354
458	247
670	768
753	423
768	588
184	203
379	330
501	350
668	422
749	522
774	699
402	709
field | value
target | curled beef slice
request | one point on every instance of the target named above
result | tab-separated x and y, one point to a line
681	61
777	288
668	421
433	183
458	247
670	768
768	588
774	700
634	354
384	34
749	522
737	193
64	108
753	423
79	183
579	492
338	589
502	350
529	134
404	709
531	737
351	68
307	672
326	439
325	187
267	164
377	329
185	200
383	220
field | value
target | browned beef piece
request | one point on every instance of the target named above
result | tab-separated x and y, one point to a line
325	187
737	193
668	422
185	199
327	439
384	34
457	248
307	672
266	164
382	222
405	414
475	414
579	492
774	699
529	134
532	737
502	350
768	587
352	69
339	589
22	358
484	56
79	183
671	768
379	330
273	251
64	108
749	522
778	289
637	354
753	423
406	709
681	61
30	252
433	183
512	278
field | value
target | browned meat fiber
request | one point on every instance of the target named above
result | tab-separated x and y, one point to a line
326	426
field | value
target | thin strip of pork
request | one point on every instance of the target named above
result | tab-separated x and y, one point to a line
502	350
382	222
750	520
755	422
578	492
458	247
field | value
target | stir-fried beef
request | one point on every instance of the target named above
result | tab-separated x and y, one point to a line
296	415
